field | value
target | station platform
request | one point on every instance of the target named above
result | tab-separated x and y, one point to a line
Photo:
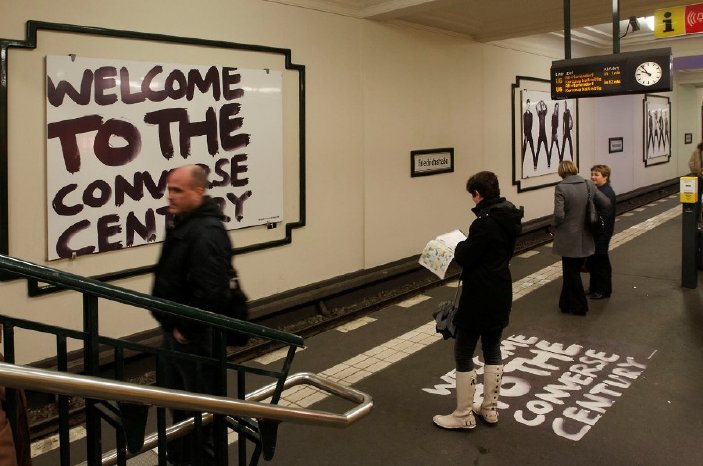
621	385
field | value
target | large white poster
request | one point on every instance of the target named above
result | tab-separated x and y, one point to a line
657	125
548	132
115	128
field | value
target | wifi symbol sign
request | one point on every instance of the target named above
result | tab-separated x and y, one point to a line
694	18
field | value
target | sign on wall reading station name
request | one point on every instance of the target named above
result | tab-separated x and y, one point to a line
116	128
622	73
431	161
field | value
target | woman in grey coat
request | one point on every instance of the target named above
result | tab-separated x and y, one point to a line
572	240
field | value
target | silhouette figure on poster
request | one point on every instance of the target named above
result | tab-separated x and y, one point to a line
660	130
667	136
542	138
650	130
527	133
656	129
566	128
555	138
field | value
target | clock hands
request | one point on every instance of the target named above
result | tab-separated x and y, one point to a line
645	70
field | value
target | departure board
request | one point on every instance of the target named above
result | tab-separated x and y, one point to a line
621	73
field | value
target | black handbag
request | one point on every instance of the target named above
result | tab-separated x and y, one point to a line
594	222
237	308
444	316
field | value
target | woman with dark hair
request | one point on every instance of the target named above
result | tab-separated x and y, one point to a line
485	302
572	239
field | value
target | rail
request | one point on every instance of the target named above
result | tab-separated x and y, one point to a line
100	289
93	343
93	387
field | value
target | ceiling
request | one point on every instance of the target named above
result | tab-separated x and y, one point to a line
489	20
500	20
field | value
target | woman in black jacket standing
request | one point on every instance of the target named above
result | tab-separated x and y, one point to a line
486	299
601	272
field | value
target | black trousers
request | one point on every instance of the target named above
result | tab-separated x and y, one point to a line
601	274
465	346
182	374
572	298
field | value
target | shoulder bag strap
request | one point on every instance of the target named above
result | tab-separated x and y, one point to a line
455	303
588	190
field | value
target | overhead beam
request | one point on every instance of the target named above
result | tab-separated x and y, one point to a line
398	8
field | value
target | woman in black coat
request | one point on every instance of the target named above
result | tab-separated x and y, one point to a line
601	272
486	299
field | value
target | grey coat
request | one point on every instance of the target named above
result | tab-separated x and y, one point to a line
571	237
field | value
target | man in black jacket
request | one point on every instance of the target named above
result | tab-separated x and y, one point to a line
194	269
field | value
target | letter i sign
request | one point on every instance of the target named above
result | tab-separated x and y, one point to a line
669	22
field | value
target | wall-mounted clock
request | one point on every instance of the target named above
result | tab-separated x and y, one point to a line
648	73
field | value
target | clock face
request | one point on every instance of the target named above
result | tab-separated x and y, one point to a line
648	73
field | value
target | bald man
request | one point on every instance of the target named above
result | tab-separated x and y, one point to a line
194	269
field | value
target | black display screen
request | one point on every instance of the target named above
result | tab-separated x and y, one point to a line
622	73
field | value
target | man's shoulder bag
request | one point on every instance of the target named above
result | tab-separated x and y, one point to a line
238	308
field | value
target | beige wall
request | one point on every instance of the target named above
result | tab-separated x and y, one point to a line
419	92
374	92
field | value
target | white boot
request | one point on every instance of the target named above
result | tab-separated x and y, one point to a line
488	408
462	417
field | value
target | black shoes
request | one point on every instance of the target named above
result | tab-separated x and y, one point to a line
597	295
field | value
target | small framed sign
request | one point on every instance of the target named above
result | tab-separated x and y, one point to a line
614	145
431	161
688	138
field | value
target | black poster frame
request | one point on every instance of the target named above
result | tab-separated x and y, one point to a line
30	43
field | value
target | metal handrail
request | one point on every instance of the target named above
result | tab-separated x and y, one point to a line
262	434
363	400
142	300
62	383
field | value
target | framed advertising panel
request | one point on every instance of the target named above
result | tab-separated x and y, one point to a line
545	132
656	123
122	108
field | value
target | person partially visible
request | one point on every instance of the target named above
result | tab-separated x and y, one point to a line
485	301
194	269
598	265
572	240
15	445
695	164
